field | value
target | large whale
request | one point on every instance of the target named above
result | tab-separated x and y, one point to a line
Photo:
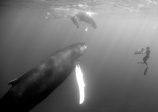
85	18
36	84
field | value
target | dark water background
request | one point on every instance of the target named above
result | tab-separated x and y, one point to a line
114	80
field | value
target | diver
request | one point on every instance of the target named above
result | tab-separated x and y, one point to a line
146	57
147	52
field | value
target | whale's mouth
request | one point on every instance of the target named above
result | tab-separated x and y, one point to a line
83	48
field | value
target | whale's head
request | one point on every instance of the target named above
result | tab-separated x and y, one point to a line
75	51
70	54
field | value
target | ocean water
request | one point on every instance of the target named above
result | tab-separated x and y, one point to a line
31	30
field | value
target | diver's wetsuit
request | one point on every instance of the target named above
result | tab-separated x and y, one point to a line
146	56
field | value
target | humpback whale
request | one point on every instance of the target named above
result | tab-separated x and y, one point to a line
36	84
85	18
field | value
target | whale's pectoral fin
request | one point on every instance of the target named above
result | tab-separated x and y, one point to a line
75	21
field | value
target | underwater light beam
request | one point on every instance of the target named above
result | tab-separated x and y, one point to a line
81	85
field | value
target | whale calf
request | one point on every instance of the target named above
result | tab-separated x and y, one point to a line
36	84
74	20
85	18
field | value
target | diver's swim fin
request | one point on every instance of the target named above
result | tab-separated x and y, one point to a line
140	63
74	20
145	71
